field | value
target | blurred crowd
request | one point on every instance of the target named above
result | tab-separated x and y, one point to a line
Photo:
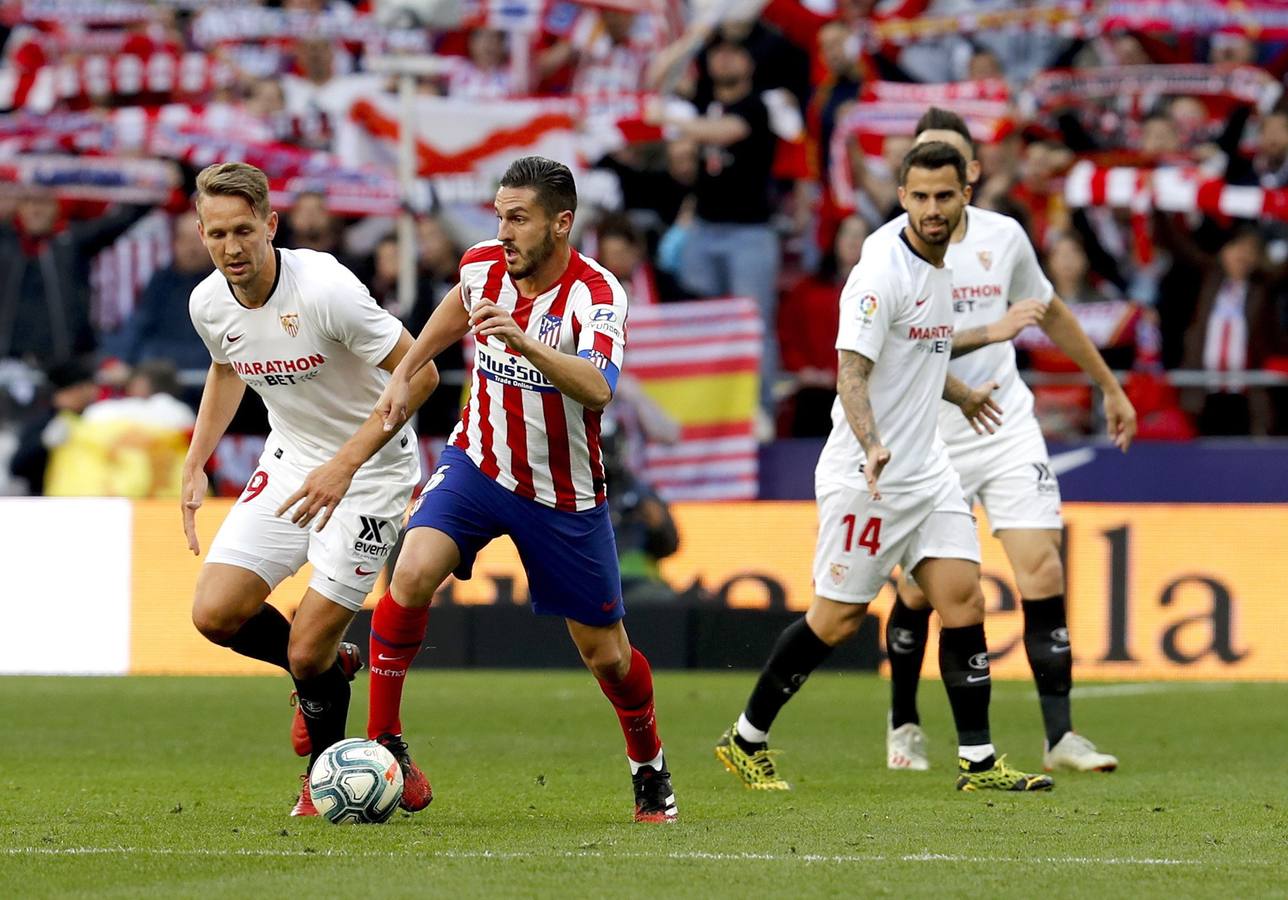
761	141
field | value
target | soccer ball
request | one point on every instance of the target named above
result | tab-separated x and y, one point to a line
356	782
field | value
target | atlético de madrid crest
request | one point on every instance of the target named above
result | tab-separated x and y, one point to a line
291	323
986	259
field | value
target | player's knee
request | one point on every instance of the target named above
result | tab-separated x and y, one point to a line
309	659
415	582
217	624
606	663
836	623
1044	576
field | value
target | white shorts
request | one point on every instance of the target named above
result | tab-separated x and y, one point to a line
1013	481
347	555
861	540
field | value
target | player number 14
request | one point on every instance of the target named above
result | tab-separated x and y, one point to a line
869	537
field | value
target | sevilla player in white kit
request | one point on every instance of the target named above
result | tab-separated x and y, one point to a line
303	332
550	330
995	272
887	495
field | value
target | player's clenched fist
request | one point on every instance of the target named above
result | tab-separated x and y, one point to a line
490	320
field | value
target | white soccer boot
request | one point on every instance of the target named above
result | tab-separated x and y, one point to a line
1075	753
906	747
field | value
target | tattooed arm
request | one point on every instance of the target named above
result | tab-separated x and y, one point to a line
853	372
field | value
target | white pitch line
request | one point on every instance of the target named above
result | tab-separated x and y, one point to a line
695	855
1152	687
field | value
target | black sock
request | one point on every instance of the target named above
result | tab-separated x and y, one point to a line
324	701
1046	641
906	633
264	636
963	662
797	653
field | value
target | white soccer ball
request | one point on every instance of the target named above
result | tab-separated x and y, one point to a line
356	782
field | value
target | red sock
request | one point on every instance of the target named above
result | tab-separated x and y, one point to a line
396	635
632	697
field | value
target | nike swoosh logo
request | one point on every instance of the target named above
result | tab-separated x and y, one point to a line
976	679
1057	648
234	339
383	658
1072	459
357	570
922	300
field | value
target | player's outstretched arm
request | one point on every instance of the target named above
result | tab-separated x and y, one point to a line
1064	330
853	372
576	377
324	487
447	324
219	401
977	405
1018	317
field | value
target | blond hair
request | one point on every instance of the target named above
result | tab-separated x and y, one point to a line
235	179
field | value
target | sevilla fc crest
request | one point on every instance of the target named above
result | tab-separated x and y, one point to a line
838	572
986	259
291	323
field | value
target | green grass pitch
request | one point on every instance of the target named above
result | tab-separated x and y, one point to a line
179	787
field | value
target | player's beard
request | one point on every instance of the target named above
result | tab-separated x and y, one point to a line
943	236
532	260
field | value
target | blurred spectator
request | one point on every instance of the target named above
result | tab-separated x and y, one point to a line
439	258
807	323
655	194
485	72
1236	326
132	446
840	86
643	526
159	327
310	225
732	250
622	251
48	424
305	92
1068	269
607	50
44	277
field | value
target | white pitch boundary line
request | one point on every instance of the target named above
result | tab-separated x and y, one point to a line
1151	687
695	855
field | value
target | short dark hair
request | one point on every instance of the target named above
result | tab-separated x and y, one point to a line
617	225
933	155
553	182
936	119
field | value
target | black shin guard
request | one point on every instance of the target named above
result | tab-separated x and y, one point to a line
963	662
324	701
798	652
264	636
906	633
1046	641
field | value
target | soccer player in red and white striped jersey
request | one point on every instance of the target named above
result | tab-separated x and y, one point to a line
525	461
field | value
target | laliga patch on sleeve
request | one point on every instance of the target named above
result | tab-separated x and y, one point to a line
867	307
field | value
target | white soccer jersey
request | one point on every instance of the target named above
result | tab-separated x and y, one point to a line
993	266
311	352
518	428
896	309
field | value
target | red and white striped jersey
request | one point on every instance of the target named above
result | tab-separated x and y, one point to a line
517	427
